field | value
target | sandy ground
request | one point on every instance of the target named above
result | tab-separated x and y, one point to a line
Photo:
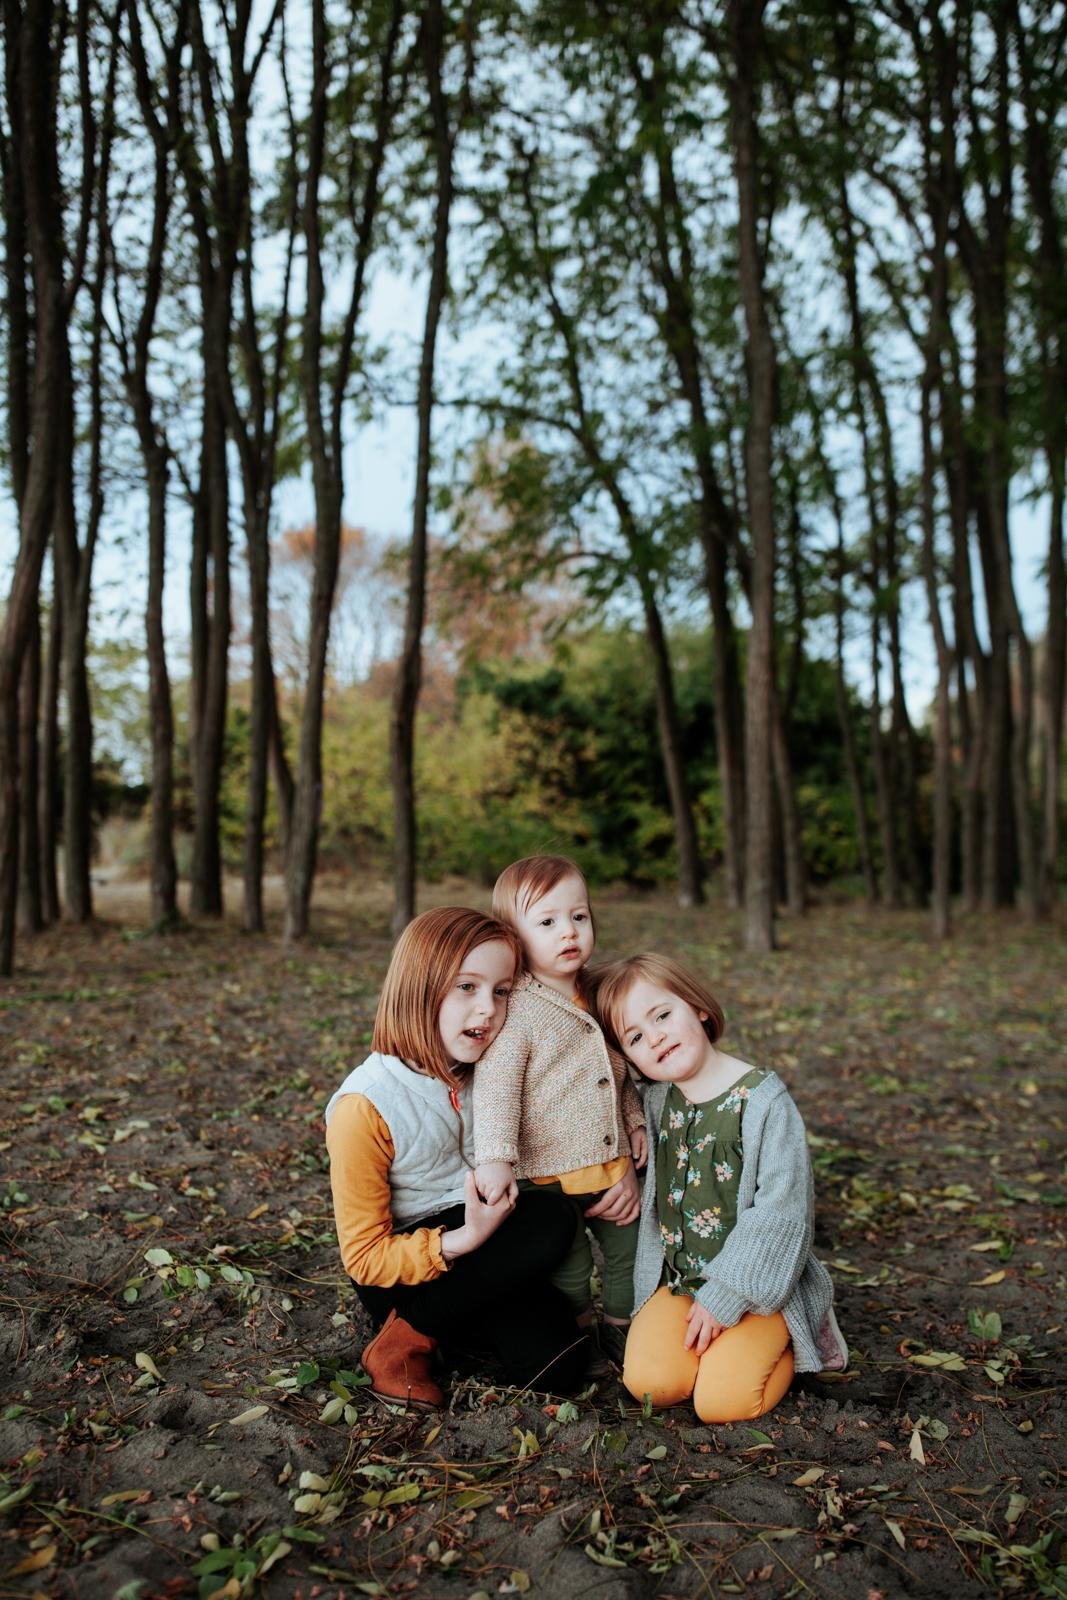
182	1406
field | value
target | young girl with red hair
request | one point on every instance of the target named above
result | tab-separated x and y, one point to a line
433	1262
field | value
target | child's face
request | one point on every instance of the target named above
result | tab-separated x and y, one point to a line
473	1011
557	931
662	1034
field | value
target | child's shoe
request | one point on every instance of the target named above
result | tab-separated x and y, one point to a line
397	1361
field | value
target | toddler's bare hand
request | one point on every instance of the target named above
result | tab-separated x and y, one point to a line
702	1329
639	1147
495	1179
621	1203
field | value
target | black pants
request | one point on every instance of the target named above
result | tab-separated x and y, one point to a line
499	1296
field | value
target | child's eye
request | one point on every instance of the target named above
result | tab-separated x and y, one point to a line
503	992
465	986
581	916
545	922
663	1016
635	1039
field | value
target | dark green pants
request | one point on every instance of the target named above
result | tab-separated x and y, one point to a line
617	1245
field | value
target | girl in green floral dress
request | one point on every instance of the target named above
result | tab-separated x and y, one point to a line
729	1299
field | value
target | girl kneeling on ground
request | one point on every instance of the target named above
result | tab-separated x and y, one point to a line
432	1262
729	1300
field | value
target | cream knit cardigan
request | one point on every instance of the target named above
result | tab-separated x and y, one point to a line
550	1096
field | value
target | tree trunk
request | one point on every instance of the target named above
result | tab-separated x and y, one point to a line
163	874
48	763
1039	166
33	140
882	767
972	723
690	886
206	869
409	666
30	913
796	888
325	431
745	25
279	761
73	569
716	524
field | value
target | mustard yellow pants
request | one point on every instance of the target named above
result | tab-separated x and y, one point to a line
743	1373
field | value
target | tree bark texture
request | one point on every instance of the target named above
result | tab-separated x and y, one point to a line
30	911
324	434
48	763
33	137
409	665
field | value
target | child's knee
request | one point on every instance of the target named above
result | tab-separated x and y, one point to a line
647	1380
745	1373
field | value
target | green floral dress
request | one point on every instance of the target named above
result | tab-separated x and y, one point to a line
698	1170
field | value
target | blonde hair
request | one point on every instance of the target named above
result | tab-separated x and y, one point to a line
610	985
529	880
425	961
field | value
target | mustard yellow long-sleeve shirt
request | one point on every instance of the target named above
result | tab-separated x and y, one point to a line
361	1153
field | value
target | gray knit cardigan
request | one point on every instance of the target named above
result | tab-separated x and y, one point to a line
766	1264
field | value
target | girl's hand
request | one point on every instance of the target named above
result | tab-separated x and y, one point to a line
703	1328
494	1180
639	1146
621	1203
480	1221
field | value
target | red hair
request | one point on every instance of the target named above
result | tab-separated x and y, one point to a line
610	985
529	880
424	964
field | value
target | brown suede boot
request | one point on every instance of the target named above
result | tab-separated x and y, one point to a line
397	1361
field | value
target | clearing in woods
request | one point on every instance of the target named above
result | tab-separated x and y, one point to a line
183	1410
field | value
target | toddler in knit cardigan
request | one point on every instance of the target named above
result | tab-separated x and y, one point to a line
553	1102
729	1300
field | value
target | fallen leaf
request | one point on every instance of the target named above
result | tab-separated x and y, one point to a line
806	1479
122	1495
1017	1504
34	1562
897	1531
986	1244
988	1281
280	1551
143	1360
253	1414
916	1451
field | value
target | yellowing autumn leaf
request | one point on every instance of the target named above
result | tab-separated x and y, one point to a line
143	1360
253	1414
916	1451
34	1562
806	1479
989	1280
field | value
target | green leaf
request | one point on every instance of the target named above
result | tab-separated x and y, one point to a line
401	1494
215	1561
307	1372
159	1258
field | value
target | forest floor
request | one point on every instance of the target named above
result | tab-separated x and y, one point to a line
182	1408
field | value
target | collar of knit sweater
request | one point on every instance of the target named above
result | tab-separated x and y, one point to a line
528	984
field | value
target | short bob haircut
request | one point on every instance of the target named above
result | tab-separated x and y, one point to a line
425	962
529	880
610	985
